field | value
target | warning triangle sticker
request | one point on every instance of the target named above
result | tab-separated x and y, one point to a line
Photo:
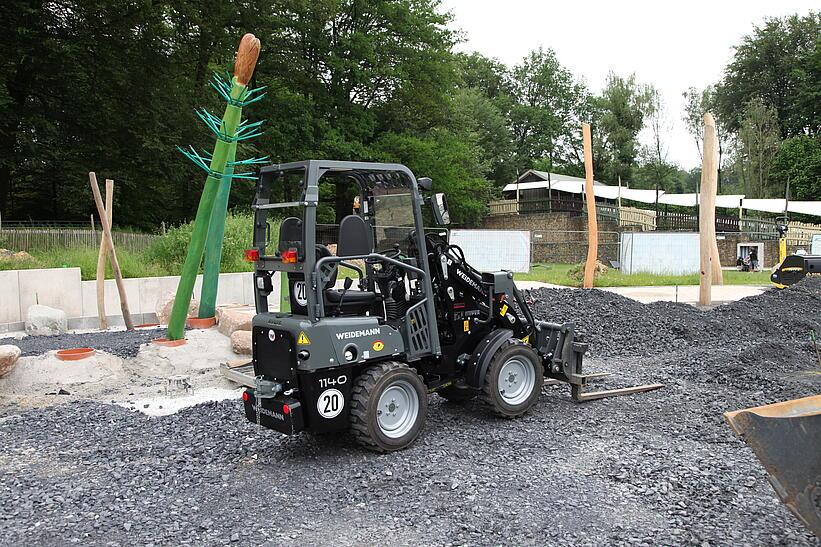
303	339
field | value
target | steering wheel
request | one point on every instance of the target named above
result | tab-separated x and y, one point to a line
393	252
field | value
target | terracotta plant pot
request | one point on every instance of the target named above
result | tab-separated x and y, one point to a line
74	354
169	343
202	323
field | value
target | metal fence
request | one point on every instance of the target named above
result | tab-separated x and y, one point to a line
28	238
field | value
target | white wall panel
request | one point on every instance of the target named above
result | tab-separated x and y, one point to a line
494	250
671	253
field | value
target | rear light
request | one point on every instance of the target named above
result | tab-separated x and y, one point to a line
289	256
286	409
245	396
251	255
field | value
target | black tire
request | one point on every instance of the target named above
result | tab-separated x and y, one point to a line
513	350
368	387
458	394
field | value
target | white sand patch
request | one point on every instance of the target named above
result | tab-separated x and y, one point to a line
135	382
163	406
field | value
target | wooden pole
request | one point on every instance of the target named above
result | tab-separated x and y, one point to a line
710	271
109	210
112	253
592	221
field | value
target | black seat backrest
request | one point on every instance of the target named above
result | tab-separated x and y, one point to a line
290	236
354	237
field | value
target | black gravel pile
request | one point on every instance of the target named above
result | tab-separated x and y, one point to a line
660	468
121	343
618	326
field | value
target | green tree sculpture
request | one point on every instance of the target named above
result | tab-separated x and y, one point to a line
220	166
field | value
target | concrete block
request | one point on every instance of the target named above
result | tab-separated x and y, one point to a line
54	287
112	297
10	297
231	288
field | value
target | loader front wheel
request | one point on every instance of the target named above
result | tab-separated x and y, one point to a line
513	380
388	407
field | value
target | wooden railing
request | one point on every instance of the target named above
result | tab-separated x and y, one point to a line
25	239
503	207
648	220
645	219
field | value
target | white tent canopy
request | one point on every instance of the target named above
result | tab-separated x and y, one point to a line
575	185
644	196
731	201
805	207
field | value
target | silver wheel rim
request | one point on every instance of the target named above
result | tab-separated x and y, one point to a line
397	409
516	380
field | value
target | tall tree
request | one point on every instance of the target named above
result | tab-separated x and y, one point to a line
620	114
655	154
546	113
757	145
780	63
696	104
799	162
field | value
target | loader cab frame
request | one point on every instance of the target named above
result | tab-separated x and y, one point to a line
363	236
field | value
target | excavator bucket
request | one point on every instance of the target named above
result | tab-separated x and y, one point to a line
786	438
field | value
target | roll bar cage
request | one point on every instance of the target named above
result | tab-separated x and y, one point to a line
368	176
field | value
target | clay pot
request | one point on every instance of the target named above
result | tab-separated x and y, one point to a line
74	354
202	323
169	343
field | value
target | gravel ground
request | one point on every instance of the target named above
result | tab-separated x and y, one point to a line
660	468
121	343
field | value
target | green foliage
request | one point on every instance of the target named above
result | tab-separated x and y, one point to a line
132	264
780	64
799	162
758	142
550	104
110	85
619	116
450	162
170	249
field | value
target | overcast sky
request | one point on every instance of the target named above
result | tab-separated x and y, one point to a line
672	45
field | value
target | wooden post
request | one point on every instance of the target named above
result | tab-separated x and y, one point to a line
109	201
592	221
710	273
112	253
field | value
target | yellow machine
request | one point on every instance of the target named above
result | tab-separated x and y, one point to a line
792	268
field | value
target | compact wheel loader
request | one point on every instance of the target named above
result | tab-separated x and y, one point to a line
420	319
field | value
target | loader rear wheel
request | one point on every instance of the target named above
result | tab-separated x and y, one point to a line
388	407
513	380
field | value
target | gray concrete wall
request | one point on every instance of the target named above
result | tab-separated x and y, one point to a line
63	288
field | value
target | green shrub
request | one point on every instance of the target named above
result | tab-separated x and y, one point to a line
170	249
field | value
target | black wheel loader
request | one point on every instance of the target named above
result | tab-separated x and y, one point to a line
419	319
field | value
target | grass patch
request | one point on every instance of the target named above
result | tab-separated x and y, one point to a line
131	264
558	274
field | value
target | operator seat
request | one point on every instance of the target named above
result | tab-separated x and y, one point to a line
354	240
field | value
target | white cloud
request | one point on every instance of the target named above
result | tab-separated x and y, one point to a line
672	45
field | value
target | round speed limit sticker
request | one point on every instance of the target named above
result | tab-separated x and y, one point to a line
330	403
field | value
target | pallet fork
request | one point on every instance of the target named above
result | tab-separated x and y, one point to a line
565	350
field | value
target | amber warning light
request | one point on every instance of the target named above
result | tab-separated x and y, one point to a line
251	255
